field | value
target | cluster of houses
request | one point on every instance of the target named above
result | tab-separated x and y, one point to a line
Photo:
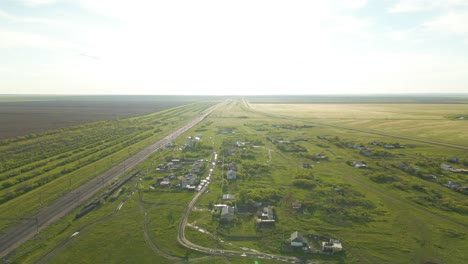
189	141
330	246
189	181
453	185
452	169
164	181
386	145
172	165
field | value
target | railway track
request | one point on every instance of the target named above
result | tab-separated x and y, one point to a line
14	236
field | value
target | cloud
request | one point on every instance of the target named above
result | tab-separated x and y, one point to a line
451	22
423	5
22	19
353	4
16	39
33	3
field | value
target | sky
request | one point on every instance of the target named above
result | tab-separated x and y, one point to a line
242	47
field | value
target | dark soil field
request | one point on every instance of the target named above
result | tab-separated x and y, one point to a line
38	114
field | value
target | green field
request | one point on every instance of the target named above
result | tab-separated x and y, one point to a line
389	212
37	168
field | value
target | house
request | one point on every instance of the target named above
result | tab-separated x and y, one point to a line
266	215
354	146
297	240
366	152
189	180
231	175
227	213
232	166
306	165
165	182
296	206
331	246
229	197
452	169
188	141
319	156
451	185
162	167
194	170
240	143
191	187
358	164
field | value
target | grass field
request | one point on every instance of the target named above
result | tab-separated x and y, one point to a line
389	212
426	121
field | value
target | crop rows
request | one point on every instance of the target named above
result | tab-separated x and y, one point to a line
31	163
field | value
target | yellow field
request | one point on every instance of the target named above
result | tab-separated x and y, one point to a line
425	121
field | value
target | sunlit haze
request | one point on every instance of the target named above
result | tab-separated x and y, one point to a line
233	47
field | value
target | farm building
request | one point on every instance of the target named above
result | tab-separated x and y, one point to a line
331	246
266	215
227	213
297	240
229	196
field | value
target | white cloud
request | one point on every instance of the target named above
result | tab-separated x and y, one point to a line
22	19
353	4
16	39
227	47
452	22
33	3
423	5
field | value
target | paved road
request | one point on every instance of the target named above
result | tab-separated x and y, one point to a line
14	236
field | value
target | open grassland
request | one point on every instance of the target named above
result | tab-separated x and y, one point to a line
426	121
389	212
24	115
360	99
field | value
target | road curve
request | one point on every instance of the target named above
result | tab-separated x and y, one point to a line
14	236
220	252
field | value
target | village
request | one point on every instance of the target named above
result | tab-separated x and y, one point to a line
234	206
